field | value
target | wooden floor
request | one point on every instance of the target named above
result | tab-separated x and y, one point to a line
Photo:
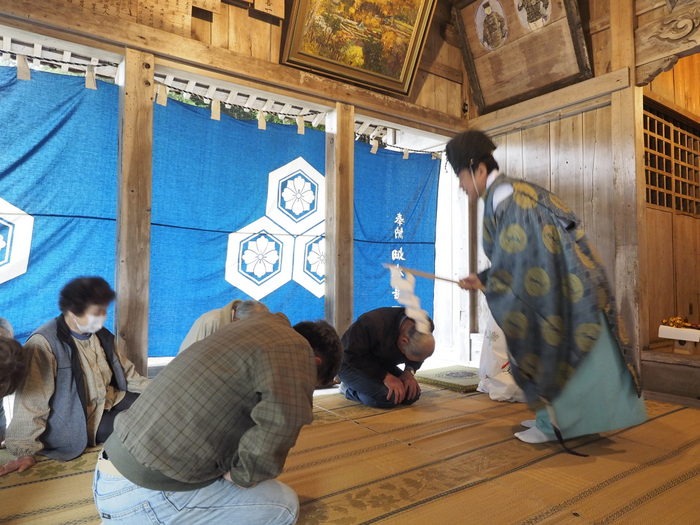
450	459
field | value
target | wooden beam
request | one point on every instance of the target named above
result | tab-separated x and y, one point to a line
631	270
135	81
340	181
124	32
583	96
622	18
660	43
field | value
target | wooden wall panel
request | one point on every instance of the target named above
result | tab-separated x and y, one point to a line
660	259
567	160
219	27
679	86
686	77
599	33
201	30
424	89
686	235
514	155
536	159
598	219
662	87
600	44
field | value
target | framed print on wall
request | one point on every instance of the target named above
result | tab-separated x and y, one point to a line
514	50
372	43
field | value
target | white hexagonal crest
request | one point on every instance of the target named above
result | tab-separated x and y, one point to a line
259	258
16	228
296	196
310	260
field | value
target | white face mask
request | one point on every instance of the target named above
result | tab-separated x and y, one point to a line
94	324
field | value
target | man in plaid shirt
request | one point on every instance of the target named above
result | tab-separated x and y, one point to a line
205	441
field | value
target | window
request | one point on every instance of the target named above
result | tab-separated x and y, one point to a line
671	160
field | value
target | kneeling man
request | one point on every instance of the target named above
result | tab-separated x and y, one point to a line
205	441
373	346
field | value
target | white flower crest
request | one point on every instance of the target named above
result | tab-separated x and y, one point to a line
298	195
2	242
260	256
317	258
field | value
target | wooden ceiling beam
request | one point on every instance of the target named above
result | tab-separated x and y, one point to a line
37	14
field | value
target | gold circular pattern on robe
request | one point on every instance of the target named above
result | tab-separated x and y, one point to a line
564	372
537	282
550	238
553	330
585	260
524	195
500	281
559	203
529	366
513	239
515	325
573	288
586	335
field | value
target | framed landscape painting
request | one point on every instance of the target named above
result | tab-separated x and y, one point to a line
372	43
514	50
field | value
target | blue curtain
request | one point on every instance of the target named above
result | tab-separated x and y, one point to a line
58	155
211	179
225	194
395	212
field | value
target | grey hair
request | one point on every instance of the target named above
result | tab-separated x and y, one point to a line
420	346
6	328
246	309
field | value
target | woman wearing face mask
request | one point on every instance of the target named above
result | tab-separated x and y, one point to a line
76	381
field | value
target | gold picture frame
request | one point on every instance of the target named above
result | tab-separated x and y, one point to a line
514	50
374	44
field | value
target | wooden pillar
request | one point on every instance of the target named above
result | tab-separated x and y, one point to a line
473	223
629	184
340	179
135	80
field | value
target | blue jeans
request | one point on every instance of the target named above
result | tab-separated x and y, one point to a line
120	501
358	386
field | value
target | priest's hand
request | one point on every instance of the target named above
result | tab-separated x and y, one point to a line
471	282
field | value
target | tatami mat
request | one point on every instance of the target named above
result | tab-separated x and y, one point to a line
451	458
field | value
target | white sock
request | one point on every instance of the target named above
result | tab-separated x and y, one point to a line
528	423
534	435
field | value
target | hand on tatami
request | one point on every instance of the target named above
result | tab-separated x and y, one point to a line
471	282
397	390
19	465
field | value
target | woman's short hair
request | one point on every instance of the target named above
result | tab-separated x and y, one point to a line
81	292
6	328
13	365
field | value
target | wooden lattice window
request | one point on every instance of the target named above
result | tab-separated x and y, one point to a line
671	159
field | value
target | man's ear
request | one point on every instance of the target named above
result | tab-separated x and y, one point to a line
318	360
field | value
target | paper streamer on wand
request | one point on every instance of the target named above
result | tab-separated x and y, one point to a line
406	287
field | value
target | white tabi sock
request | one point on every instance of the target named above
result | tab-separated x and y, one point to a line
534	435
